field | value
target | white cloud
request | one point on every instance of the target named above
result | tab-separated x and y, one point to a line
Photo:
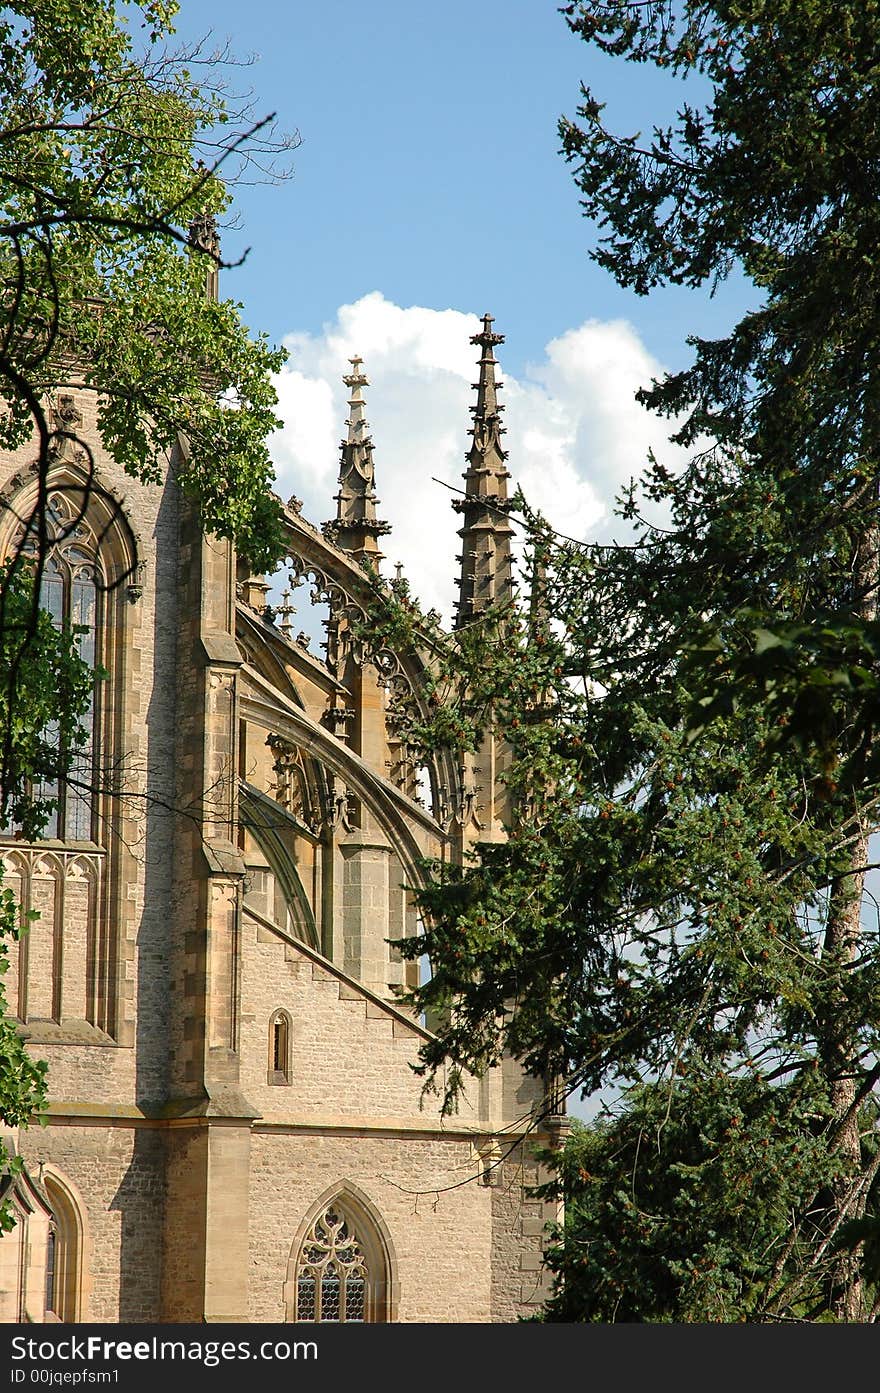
575	433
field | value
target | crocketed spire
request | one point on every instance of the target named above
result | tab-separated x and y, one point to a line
356	527
485	557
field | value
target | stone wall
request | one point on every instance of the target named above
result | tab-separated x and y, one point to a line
118	1175
439	1228
156	1021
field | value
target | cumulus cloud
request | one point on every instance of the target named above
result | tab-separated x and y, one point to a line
575	433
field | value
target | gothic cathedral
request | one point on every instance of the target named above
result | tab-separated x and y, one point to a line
235	1130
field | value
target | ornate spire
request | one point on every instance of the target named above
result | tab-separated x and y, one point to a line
203	237
486	577
356	527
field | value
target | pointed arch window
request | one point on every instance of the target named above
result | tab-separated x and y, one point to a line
64	1253
71	592
334	1282
279	1048
91	578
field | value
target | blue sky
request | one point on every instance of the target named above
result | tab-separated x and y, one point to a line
428	188
429	167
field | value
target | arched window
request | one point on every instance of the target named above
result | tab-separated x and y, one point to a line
279	1048
71	593
341	1266
64	1252
332	1276
70	965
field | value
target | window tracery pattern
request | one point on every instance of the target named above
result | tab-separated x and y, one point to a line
52	968
80	536
332	1277
72	591
71	596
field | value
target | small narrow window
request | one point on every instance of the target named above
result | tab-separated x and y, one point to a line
279	1048
51	1268
279	1045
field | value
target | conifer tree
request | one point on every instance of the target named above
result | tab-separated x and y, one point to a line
682	907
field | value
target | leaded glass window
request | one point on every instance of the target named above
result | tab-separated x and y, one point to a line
71	592
332	1279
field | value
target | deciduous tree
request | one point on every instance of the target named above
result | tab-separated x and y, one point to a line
114	147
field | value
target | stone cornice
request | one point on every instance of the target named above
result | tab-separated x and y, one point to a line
316	1124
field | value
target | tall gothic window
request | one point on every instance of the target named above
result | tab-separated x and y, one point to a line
72	591
333	1280
72	597
65	967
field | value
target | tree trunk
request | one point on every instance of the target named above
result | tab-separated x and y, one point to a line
838	1048
838	1038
